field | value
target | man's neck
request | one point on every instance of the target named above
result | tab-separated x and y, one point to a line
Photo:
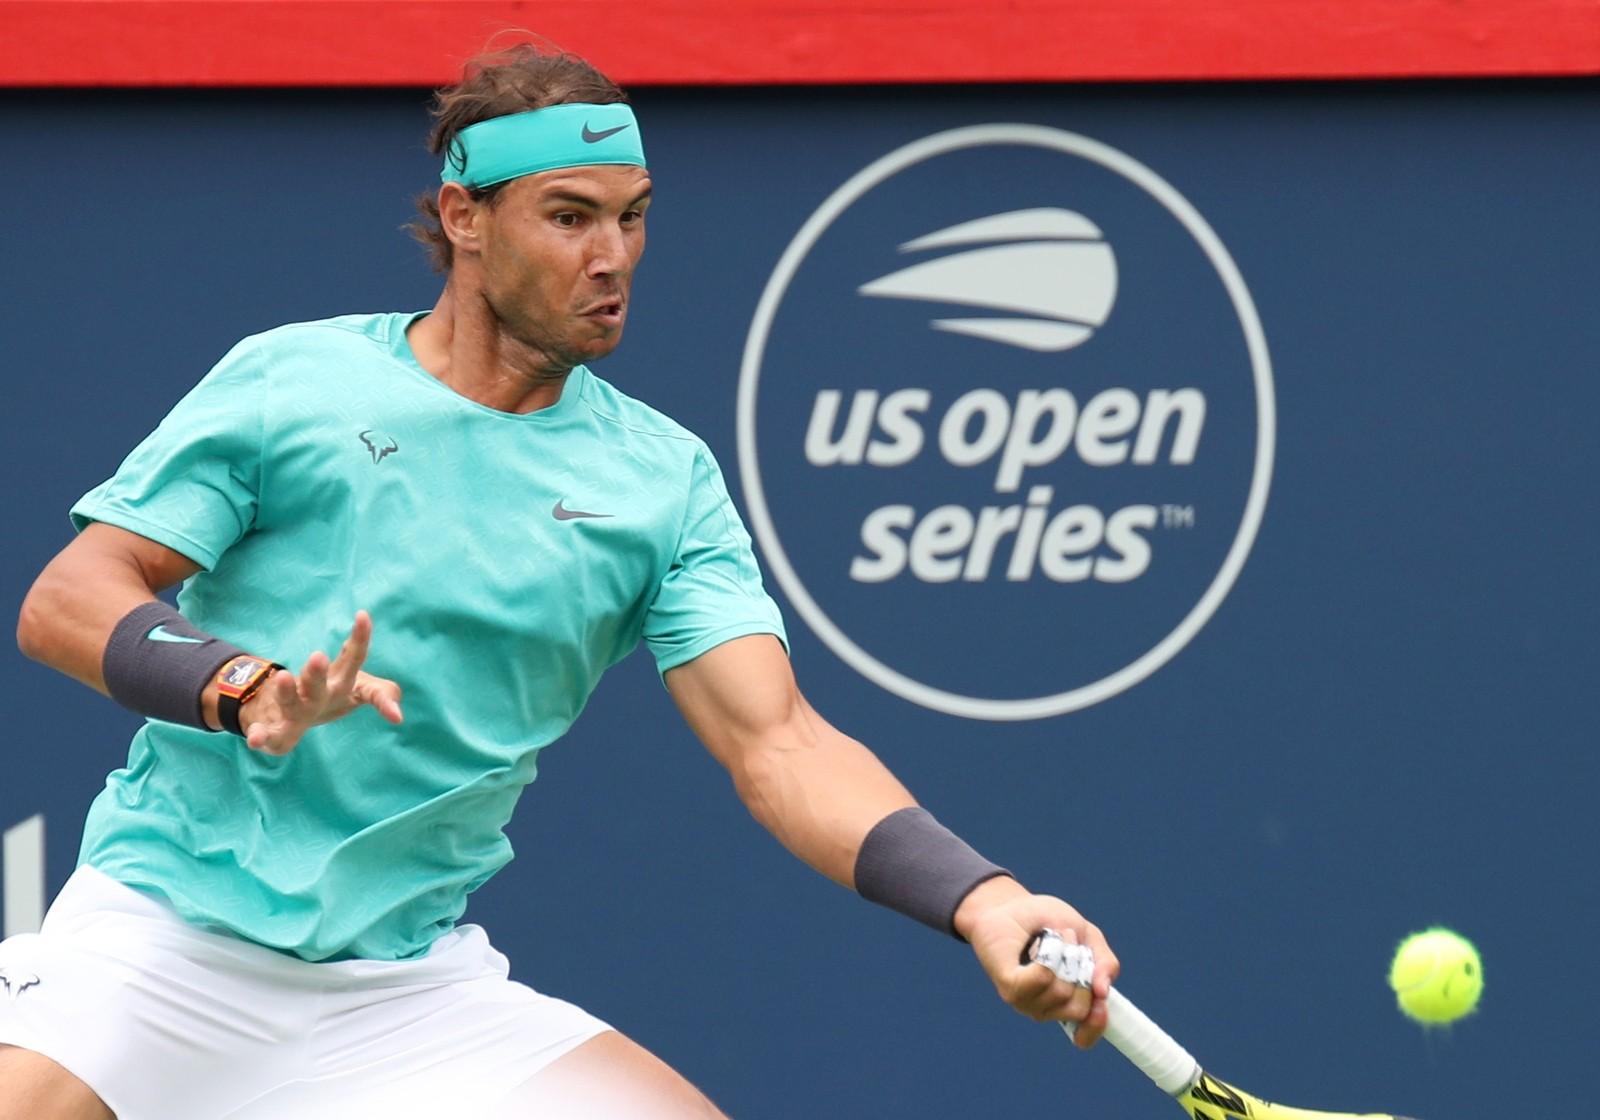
463	345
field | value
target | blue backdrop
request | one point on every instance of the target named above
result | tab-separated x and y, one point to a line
1383	724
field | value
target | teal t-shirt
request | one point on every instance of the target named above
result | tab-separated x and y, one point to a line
507	562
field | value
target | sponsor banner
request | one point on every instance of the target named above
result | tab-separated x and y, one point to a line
1006	422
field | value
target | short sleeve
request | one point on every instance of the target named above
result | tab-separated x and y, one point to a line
712	592
193	483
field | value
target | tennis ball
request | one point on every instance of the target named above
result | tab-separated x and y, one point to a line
1436	976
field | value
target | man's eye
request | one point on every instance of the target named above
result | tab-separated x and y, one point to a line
566	221
632	217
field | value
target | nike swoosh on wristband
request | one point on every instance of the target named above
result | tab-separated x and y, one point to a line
161	634
562	513
596	137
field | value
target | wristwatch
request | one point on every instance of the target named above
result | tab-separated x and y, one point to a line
237	681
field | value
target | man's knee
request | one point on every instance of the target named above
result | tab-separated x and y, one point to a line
610	1077
32	1087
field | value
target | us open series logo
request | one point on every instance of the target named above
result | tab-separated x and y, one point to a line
1006	422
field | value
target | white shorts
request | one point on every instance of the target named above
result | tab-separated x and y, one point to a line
169	1022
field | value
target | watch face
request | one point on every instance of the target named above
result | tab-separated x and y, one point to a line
240	672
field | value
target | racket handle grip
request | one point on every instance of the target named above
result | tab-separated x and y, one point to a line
1149	1047
1131	1031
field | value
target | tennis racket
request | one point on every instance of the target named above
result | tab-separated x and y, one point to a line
1158	1056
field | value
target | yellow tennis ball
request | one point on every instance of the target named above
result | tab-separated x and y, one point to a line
1436	976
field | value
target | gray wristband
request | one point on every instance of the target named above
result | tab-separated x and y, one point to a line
911	863
158	665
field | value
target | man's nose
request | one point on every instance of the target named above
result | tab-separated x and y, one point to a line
608	252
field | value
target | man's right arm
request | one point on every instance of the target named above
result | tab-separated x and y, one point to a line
69	614
88	588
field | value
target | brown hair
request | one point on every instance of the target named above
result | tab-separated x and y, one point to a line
496	84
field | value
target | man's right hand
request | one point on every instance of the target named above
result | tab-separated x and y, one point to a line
289	704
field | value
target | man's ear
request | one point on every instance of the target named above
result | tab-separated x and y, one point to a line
461	217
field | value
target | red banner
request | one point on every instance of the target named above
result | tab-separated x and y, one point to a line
698	42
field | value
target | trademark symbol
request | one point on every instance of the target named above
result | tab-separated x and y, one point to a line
1177	517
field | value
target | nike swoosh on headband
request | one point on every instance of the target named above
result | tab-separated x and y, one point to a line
596	137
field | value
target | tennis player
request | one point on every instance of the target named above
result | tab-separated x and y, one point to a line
263	923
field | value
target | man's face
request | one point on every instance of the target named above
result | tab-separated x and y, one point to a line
558	255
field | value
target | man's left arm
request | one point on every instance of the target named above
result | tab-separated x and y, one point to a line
821	793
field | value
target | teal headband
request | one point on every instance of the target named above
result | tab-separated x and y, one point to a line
493	151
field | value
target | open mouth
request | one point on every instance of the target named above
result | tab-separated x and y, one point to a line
609	312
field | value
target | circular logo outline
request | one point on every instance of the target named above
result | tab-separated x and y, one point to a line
880	170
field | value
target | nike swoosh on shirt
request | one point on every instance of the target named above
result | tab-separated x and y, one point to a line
562	513
161	634
596	137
